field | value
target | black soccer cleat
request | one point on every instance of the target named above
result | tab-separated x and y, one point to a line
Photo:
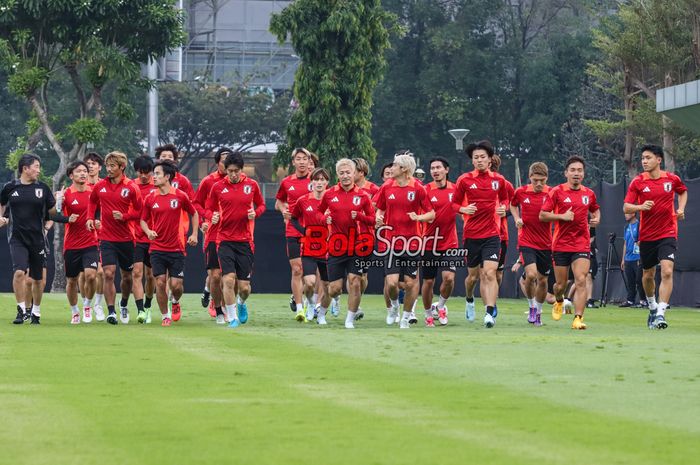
19	319
112	318
205	299
292	304
34	320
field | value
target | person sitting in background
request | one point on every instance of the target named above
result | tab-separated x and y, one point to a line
630	262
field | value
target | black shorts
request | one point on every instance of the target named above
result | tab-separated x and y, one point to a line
236	257
310	265
567	258
541	258
502	257
402	265
117	253
481	250
211	257
30	257
340	267
432	264
172	263
76	260
652	252
141	254
293	247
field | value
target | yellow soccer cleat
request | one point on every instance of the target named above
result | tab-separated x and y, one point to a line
578	323
557	310
301	316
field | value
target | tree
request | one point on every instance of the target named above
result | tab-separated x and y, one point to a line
201	118
341	44
93	43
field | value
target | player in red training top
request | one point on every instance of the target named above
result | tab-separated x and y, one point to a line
233	204
486	195
569	205
119	201
79	245
291	188
503	220
345	206
361	181
440	193
534	239
402	205
170	153
95	162
143	166
305	215
211	258
162	210
652	193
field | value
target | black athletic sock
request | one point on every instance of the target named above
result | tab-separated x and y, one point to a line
470	300
110	309
219	311
123	302
489	310
139	305
147	302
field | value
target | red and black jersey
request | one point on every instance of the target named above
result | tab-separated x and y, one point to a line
76	235
503	220
445	223
571	236
200	201
124	197
660	221
291	188
534	233
487	190
232	201
397	202
163	213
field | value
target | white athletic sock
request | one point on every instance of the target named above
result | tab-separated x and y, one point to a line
413	309
163	316
651	301
300	308
337	300
86	302
231	311
539	307
405	315
395	303
74	309
531	302
206	288
314	299
428	313
98	299
442	302
661	309
322	310
350	317
36	311
23	306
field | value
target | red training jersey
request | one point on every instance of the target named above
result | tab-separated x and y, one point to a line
503	220
397	202
181	182
124	197
200	201
232	201
660	221
445	223
339	205
146	189
487	190
571	236
534	233
162	212
291	188
76	235
306	211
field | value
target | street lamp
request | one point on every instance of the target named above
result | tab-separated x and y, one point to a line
459	135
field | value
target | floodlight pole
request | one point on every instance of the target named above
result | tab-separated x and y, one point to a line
459	135
152	68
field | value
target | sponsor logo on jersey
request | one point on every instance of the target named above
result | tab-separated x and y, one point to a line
527	200
391	197
15	194
646	189
291	188
335	199
434	199
473	186
309	208
225	190
155	205
567	200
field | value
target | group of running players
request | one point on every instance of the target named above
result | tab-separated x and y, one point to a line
334	234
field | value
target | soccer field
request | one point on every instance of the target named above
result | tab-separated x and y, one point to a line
278	392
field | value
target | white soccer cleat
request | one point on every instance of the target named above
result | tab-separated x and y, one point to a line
99	313
349	324
321	319
412	318
392	315
489	321
124	315
470	311
310	311
75	319
442	316
434	310
404	323
220	320
568	306
87	315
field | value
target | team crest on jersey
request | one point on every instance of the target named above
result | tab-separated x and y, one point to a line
125	192
247	189
356	200
310	187
668	186
495	185
449	196
39	193
176	185
411	195
173	203
585	200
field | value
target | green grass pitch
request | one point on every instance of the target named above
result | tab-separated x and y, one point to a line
278	392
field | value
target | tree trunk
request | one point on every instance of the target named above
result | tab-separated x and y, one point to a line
629	134
669	160
59	274
696	39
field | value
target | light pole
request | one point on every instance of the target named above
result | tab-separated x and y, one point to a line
459	135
